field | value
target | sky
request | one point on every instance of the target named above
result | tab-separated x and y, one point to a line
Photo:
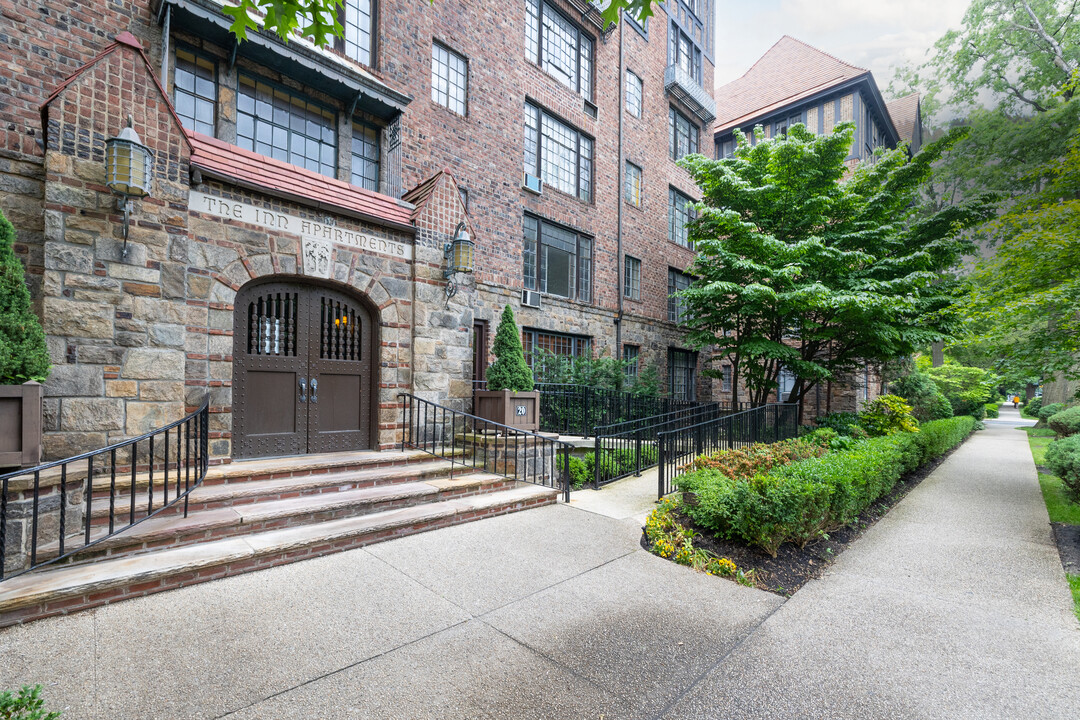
874	34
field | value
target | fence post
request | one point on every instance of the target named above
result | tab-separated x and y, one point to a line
776	423
637	453
566	472
662	458
596	460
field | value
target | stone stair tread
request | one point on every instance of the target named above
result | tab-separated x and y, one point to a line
258	488
59	582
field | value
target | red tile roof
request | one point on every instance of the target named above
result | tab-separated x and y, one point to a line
790	71
274	177
905	113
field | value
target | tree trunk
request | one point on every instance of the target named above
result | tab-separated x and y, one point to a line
937	353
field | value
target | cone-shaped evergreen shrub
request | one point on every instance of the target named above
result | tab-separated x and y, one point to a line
22	342
509	371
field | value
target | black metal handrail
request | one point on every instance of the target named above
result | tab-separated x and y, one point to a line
473	442
764	424
571	409
190	447
626	448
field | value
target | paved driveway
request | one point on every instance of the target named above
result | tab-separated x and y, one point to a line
954	605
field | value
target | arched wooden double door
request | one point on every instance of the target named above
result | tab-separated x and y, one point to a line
304	359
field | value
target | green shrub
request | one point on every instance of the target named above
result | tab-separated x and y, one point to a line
922	393
579	473
966	388
992	410
25	705
1032	407
1047	411
1063	459
887	415
795	502
23	355
843	423
762	457
1066	422
509	371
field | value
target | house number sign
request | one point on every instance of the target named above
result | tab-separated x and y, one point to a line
319	230
520	410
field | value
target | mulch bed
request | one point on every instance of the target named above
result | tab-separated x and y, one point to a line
1068	542
793	566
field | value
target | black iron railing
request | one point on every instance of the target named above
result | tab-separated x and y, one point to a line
678	446
627	448
39	505
476	443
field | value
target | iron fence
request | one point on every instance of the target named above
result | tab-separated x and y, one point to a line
678	446
473	442
39	505
627	448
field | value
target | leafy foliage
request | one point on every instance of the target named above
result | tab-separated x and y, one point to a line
1066	422
1048	411
844	423
669	538
23	354
887	415
26	704
800	269
967	389
1031	408
922	393
762	457
992	410
1063	459
509	371
798	501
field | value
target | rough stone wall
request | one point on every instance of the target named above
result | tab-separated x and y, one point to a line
115	323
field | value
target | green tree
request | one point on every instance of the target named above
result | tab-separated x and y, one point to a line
23	355
509	371
966	388
798	268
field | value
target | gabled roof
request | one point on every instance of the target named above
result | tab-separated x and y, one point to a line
422	193
905	116
790	71
264	174
124	39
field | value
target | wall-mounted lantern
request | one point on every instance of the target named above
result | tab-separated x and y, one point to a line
128	171
459	257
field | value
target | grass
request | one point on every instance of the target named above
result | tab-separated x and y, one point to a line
1058	505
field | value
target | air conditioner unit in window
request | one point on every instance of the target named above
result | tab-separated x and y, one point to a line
533	184
530	298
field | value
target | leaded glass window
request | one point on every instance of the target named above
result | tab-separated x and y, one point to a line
286	126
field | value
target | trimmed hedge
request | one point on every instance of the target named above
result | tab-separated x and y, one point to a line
1032	407
797	502
992	410
1048	411
1063	459
1066	422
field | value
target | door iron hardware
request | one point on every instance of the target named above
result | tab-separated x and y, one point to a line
314	390
303	390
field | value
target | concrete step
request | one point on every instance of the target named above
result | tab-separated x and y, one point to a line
238	492
279	505
69	588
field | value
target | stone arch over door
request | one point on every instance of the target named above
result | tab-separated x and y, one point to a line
305	368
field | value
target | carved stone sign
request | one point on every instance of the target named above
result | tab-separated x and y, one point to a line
316	257
307	229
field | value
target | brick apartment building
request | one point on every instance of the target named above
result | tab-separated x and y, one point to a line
302	198
796	83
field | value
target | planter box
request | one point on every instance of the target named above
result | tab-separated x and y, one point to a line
520	411
20	425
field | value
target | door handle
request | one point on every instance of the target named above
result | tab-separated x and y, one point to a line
314	390
303	390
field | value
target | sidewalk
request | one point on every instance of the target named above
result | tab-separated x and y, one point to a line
954	605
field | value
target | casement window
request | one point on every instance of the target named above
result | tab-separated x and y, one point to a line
682	135
557	261
680	213
684	52
449	78
632	191
195	91
285	126
630	354
559	47
357	17
365	156
676	306
726	149
632	278
786	381
633	94
557	153
537	343
681	366
725	378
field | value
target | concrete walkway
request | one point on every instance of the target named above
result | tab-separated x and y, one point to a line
954	605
